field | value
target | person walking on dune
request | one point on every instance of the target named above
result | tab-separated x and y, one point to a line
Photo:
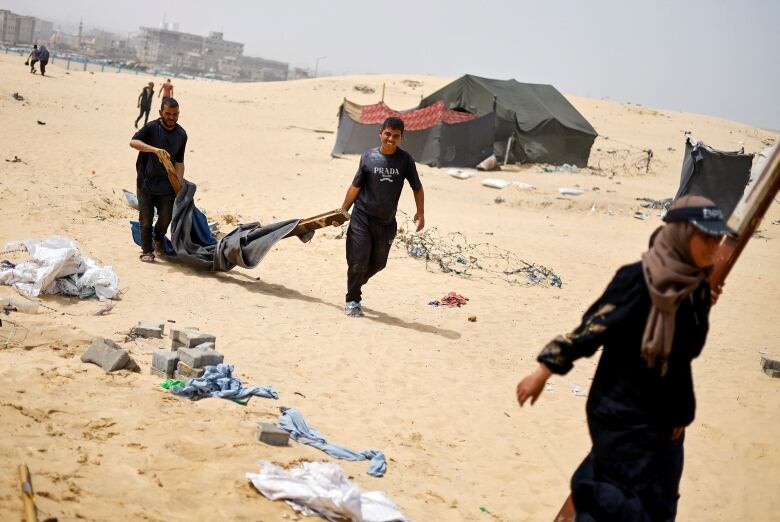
166	89
375	191
652	321
145	103
161	137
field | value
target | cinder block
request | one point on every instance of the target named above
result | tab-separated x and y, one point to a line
161	375
108	355
165	361
189	338
149	329
769	364
772	373
200	356
185	372
272	434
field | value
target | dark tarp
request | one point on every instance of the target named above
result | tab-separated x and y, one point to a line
193	244
546	127
718	175
460	144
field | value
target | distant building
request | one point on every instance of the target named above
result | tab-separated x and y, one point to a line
43	30
190	53
16	29
261	70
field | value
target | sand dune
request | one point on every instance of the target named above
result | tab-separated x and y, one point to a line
432	390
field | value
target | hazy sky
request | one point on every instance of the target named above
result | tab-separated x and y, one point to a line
716	57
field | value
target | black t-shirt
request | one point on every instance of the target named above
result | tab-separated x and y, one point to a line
152	175
147	95
381	179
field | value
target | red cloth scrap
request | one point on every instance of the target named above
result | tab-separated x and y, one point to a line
415	119
452	299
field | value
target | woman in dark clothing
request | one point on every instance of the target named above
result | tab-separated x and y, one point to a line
652	321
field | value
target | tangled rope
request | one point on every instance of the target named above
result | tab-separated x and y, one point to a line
453	254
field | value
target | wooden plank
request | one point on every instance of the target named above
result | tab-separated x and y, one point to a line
28	496
326	219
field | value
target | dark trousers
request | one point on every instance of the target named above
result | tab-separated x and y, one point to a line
147	202
32	65
43	65
144	112
368	245
632	474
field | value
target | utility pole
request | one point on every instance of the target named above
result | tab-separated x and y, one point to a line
317	64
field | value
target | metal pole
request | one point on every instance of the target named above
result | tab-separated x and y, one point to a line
383	91
68	64
317	64
85	63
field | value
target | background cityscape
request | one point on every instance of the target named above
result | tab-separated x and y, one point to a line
162	48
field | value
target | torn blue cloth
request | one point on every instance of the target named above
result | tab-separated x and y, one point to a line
218	381
291	420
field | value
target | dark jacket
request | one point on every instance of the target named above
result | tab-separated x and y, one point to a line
624	390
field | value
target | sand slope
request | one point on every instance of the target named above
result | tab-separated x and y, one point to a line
432	390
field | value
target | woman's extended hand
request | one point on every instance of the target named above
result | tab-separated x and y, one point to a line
532	384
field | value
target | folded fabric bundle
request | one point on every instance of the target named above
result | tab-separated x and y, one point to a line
218	381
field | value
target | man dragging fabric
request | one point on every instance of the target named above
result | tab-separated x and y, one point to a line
375	191
159	138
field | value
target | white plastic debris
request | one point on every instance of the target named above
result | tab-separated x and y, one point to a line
320	488
460	174
523	185
577	390
571	191
495	183
131	198
56	266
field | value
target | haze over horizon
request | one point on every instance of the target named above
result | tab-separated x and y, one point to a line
710	57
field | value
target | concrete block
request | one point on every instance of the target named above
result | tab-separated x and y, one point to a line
772	373
149	329
109	356
185	372
161	375
200	356
769	364
272	434
165	361
189	338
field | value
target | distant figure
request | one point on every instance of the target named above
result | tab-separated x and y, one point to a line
145	103
167	89
163	137
32	59
43	56
375	191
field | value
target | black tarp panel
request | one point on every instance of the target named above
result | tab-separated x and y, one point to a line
720	176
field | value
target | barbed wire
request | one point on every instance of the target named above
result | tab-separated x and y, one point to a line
454	254
622	161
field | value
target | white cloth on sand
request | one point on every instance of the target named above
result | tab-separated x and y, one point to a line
321	489
56	267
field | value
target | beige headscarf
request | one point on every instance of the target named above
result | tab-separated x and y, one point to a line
671	275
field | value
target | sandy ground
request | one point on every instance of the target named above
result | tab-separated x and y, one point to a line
432	390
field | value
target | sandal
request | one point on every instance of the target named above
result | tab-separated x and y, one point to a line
159	248
147	257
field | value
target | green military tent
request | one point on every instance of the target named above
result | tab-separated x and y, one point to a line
543	126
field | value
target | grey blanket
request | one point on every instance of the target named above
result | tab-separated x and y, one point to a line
245	246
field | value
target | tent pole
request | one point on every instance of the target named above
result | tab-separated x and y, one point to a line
508	147
383	92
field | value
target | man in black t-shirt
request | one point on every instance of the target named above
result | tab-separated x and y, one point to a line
155	140
145	103
375	191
